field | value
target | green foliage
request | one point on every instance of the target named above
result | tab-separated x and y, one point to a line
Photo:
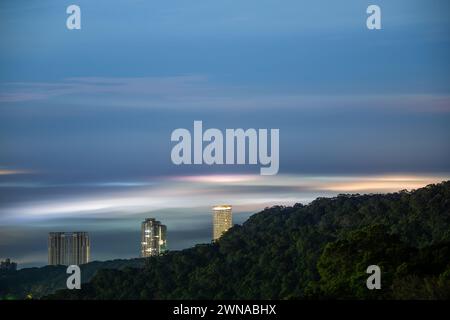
38	282
342	265
317	251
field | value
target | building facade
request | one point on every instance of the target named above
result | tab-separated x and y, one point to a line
153	238
222	220
68	248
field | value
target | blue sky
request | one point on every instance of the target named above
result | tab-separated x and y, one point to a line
86	116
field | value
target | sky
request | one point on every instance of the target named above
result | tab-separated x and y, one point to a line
86	115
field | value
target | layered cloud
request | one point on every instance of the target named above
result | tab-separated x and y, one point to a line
199	193
4	171
199	92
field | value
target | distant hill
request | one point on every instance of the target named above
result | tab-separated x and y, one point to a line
315	251
38	282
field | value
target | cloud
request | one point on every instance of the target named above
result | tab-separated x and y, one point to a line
198	92
157	86
4	172
191	193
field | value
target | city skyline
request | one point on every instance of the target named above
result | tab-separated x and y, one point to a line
199	228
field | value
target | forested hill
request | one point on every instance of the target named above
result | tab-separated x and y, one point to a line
316	251
38	282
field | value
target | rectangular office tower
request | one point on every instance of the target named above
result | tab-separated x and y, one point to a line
222	220
153	238
68	248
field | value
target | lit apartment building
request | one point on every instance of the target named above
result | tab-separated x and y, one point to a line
222	220
68	248
153	238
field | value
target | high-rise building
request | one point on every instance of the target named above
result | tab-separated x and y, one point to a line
68	248
153	238
7	265
222	220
